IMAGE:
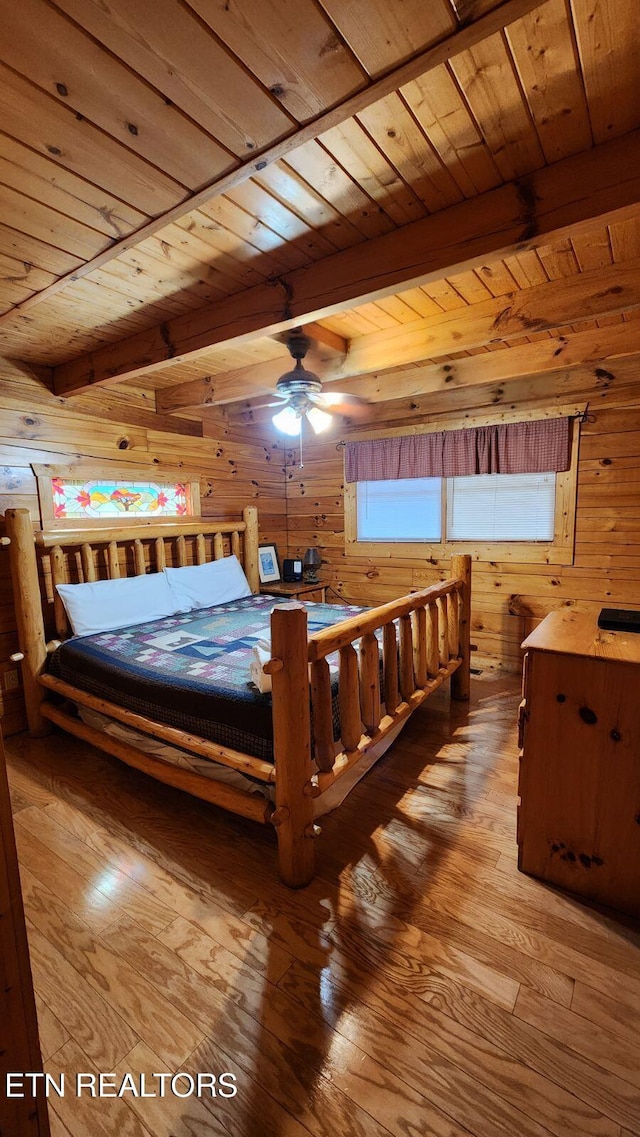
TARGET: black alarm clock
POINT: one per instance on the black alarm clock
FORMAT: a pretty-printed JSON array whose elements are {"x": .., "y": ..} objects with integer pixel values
[{"x": 291, "y": 571}]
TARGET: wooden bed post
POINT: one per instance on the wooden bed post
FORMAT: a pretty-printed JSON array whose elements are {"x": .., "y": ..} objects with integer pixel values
[
  {"x": 29, "y": 619},
  {"x": 293, "y": 817},
  {"x": 461, "y": 679},
  {"x": 251, "y": 543}
]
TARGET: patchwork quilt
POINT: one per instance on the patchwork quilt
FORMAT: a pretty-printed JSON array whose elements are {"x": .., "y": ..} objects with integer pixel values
[{"x": 192, "y": 670}]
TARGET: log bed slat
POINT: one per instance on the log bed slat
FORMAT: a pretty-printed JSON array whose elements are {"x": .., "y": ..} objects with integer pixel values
[
  {"x": 322, "y": 717},
  {"x": 433, "y": 641},
  {"x": 113, "y": 560},
  {"x": 370, "y": 682},
  {"x": 407, "y": 680},
  {"x": 161, "y": 555},
  {"x": 349, "y": 698},
  {"x": 390, "y": 667},
  {"x": 59, "y": 576},
  {"x": 138, "y": 557},
  {"x": 88, "y": 563}
]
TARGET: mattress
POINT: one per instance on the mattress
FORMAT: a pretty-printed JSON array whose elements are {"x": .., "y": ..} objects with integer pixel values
[{"x": 191, "y": 670}]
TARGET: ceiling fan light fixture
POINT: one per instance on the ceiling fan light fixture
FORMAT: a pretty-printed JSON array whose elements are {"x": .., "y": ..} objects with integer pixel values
[
  {"x": 319, "y": 420},
  {"x": 288, "y": 421}
]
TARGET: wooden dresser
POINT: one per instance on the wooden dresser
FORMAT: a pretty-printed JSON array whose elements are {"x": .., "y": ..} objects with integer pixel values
[{"x": 579, "y": 783}]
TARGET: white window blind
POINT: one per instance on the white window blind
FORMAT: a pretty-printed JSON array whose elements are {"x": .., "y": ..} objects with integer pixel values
[
  {"x": 501, "y": 507},
  {"x": 408, "y": 509}
]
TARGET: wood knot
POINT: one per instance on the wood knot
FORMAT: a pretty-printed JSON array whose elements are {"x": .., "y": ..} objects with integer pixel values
[{"x": 588, "y": 716}]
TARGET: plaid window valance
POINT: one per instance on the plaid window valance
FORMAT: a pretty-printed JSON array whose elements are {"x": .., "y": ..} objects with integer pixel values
[{"x": 507, "y": 448}]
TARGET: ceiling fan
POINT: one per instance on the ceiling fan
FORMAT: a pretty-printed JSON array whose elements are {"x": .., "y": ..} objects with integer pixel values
[{"x": 301, "y": 392}]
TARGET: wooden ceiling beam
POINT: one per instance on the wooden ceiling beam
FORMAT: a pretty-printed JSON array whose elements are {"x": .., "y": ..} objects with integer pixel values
[
  {"x": 586, "y": 352},
  {"x": 558, "y": 303},
  {"x": 325, "y": 357},
  {"x": 598, "y": 186},
  {"x": 474, "y": 28}
]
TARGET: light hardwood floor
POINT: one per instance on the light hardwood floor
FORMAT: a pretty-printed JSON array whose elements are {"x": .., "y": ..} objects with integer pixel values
[{"x": 420, "y": 985}]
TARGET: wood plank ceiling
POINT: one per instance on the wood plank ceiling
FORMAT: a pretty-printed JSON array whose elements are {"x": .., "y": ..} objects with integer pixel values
[{"x": 115, "y": 114}]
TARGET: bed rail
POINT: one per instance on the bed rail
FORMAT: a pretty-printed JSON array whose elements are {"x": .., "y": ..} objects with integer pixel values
[{"x": 425, "y": 641}]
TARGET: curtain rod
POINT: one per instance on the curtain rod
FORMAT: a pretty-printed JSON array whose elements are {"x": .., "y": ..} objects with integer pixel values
[{"x": 582, "y": 416}]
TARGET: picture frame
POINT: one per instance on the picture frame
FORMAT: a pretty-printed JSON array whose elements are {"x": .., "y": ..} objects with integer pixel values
[{"x": 268, "y": 564}]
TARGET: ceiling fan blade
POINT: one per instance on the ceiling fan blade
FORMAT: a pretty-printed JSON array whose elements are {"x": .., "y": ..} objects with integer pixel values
[
  {"x": 269, "y": 401},
  {"x": 329, "y": 400}
]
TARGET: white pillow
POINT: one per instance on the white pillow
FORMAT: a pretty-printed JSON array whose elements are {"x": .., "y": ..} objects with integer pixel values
[
  {"x": 201, "y": 586},
  {"x": 102, "y": 605}
]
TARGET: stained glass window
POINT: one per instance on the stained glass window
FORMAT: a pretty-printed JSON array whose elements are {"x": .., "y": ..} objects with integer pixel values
[{"x": 96, "y": 498}]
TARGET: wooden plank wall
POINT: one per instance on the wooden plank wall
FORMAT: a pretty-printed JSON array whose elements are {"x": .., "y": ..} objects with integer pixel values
[
  {"x": 119, "y": 428},
  {"x": 508, "y": 599}
]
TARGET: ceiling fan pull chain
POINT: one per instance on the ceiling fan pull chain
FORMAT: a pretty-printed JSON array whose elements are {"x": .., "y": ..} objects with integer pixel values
[{"x": 301, "y": 462}]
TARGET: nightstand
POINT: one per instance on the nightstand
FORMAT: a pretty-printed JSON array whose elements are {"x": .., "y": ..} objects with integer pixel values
[{"x": 297, "y": 590}]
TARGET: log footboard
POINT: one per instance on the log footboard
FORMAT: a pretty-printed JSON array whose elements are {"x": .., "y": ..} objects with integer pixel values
[{"x": 432, "y": 644}]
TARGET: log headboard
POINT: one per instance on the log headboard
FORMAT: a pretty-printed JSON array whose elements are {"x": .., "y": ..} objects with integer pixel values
[{"x": 39, "y": 562}]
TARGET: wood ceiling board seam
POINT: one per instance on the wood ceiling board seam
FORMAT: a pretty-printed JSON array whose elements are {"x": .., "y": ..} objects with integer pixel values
[
  {"x": 610, "y": 60},
  {"x": 593, "y": 251},
  {"x": 526, "y": 268},
  {"x": 497, "y": 278},
  {"x": 181, "y": 300},
  {"x": 258, "y": 201},
  {"x": 255, "y": 233},
  {"x": 77, "y": 71},
  {"x": 26, "y": 170},
  {"x": 13, "y": 270},
  {"x": 559, "y": 259},
  {"x": 541, "y": 45},
  {"x": 179, "y": 56},
  {"x": 46, "y": 224},
  {"x": 358, "y": 153},
  {"x": 174, "y": 259},
  {"x": 397, "y": 132},
  {"x": 438, "y": 104},
  {"x": 336, "y": 185},
  {"x": 625, "y": 240},
  {"x": 292, "y": 190},
  {"x": 239, "y": 265},
  {"x": 488, "y": 80},
  {"x": 83, "y": 148},
  {"x": 370, "y": 28},
  {"x": 475, "y": 227},
  {"x": 423, "y": 62},
  {"x": 299, "y": 62},
  {"x": 40, "y": 253}
]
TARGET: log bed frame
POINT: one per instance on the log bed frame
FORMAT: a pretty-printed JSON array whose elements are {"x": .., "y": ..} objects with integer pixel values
[{"x": 433, "y": 646}]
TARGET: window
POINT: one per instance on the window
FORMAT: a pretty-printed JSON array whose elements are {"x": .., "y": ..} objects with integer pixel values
[
  {"x": 408, "y": 509},
  {"x": 71, "y": 498},
  {"x": 517, "y": 518},
  {"x": 501, "y": 507},
  {"x": 485, "y": 507}
]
